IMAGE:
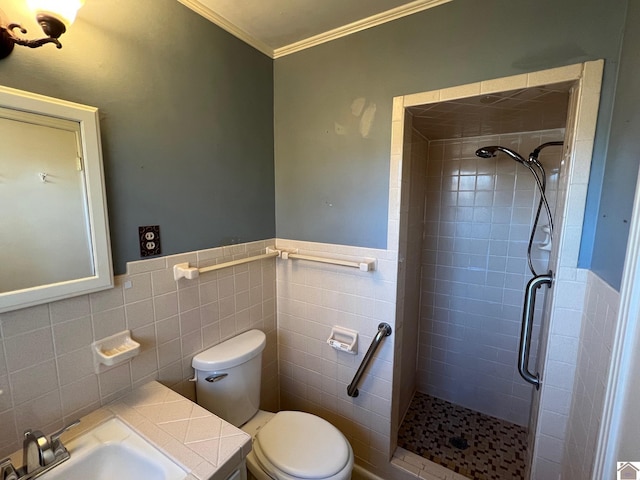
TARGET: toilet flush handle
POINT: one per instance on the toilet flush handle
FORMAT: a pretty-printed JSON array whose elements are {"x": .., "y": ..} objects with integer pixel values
[{"x": 216, "y": 377}]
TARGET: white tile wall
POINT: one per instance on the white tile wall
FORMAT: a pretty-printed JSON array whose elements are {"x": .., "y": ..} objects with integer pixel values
[
  {"x": 478, "y": 219},
  {"x": 313, "y": 297},
  {"x": 594, "y": 358},
  {"x": 46, "y": 367},
  {"x": 409, "y": 269}
]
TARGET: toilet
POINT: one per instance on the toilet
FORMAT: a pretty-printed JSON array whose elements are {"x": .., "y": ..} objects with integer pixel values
[{"x": 287, "y": 445}]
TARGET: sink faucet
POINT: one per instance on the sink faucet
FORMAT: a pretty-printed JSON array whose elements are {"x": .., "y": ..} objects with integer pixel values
[
  {"x": 36, "y": 451},
  {"x": 40, "y": 454}
]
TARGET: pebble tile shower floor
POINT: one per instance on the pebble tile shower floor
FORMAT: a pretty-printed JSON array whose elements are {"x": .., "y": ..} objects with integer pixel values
[{"x": 470, "y": 443}]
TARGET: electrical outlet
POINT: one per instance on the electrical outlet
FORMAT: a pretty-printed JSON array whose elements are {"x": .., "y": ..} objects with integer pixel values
[{"x": 149, "y": 237}]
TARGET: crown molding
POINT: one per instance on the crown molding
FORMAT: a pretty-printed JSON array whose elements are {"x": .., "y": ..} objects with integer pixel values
[
  {"x": 225, "y": 24},
  {"x": 365, "y": 23},
  {"x": 369, "y": 22}
]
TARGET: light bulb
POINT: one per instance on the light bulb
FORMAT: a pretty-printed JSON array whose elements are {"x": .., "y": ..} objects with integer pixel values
[{"x": 64, "y": 10}]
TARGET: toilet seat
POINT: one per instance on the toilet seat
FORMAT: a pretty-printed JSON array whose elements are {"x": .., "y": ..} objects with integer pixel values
[{"x": 298, "y": 445}]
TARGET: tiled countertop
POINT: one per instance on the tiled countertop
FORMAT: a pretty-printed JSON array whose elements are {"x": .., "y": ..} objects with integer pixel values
[{"x": 207, "y": 447}]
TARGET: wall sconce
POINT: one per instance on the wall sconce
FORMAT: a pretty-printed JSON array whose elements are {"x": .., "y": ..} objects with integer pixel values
[{"x": 54, "y": 16}]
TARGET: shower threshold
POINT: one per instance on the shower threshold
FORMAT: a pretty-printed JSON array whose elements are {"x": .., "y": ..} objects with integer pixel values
[{"x": 469, "y": 443}]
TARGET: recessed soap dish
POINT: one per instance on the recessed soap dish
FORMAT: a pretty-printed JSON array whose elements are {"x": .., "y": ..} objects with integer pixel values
[{"x": 115, "y": 349}]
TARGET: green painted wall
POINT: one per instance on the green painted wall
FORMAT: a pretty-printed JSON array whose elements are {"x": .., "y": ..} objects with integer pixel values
[
  {"x": 333, "y": 187},
  {"x": 623, "y": 157},
  {"x": 186, "y": 116}
]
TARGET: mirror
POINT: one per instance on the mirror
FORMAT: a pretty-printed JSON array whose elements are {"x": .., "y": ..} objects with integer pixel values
[{"x": 54, "y": 238}]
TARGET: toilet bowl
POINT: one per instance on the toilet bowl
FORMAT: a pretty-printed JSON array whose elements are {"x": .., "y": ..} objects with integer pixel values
[
  {"x": 287, "y": 445},
  {"x": 293, "y": 445}
]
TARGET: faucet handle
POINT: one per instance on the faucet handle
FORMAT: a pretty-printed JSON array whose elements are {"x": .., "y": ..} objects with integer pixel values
[
  {"x": 56, "y": 444},
  {"x": 7, "y": 471},
  {"x": 56, "y": 436}
]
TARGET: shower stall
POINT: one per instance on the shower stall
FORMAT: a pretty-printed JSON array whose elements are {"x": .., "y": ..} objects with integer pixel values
[{"x": 479, "y": 190}]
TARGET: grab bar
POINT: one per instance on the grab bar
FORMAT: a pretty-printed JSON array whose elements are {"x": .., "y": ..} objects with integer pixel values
[
  {"x": 366, "y": 265},
  {"x": 384, "y": 330},
  {"x": 183, "y": 270},
  {"x": 527, "y": 323}
]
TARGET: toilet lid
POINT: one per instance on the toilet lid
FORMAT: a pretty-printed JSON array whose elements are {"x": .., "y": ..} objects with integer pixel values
[{"x": 303, "y": 445}]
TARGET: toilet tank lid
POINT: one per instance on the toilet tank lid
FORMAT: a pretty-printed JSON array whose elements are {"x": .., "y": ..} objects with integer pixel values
[{"x": 232, "y": 352}]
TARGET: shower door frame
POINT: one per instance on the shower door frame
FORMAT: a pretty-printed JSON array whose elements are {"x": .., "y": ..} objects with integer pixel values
[{"x": 567, "y": 293}]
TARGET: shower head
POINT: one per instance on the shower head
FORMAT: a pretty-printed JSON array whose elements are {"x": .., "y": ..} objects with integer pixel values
[
  {"x": 486, "y": 152},
  {"x": 491, "y": 151}
]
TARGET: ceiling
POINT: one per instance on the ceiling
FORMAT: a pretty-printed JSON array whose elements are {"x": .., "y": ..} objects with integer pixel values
[
  {"x": 281, "y": 27},
  {"x": 523, "y": 110}
]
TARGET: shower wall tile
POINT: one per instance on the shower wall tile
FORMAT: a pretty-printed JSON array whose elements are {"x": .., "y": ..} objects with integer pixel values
[
  {"x": 475, "y": 250},
  {"x": 502, "y": 84},
  {"x": 461, "y": 91},
  {"x": 554, "y": 75},
  {"x": 409, "y": 271},
  {"x": 45, "y": 353}
]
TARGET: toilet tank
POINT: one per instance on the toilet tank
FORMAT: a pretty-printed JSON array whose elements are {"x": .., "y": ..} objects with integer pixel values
[{"x": 228, "y": 377}]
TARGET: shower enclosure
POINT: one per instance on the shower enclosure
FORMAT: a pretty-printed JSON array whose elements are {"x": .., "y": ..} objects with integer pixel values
[
  {"x": 473, "y": 230},
  {"x": 474, "y": 272}
]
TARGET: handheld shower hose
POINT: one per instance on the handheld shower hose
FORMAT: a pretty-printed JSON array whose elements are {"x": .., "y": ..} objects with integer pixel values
[{"x": 539, "y": 175}]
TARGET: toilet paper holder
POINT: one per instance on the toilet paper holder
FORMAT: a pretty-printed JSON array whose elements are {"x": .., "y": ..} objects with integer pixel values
[{"x": 344, "y": 339}]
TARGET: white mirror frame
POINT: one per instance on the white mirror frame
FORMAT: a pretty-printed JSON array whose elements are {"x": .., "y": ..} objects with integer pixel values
[{"x": 87, "y": 117}]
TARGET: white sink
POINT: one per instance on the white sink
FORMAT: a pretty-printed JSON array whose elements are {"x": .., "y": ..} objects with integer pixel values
[{"x": 113, "y": 451}]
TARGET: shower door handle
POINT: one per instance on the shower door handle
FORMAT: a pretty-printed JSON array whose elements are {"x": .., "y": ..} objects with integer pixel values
[{"x": 527, "y": 324}]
